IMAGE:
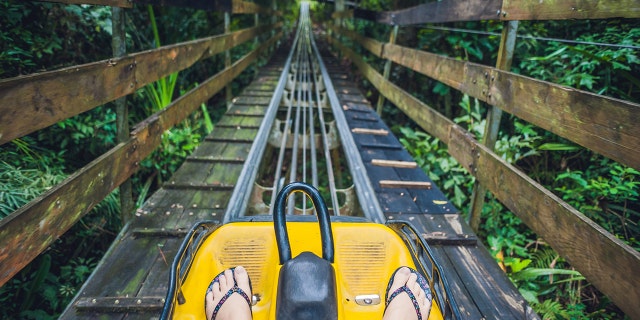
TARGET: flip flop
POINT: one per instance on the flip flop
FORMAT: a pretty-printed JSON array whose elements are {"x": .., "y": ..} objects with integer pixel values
[
  {"x": 422, "y": 282},
  {"x": 234, "y": 289}
]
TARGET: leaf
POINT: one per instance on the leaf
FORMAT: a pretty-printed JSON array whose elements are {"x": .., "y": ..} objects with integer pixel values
[{"x": 558, "y": 146}]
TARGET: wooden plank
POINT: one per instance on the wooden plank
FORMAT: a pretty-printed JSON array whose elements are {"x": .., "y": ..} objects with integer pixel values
[
  {"x": 239, "y": 6},
  {"x": 376, "y": 132},
  {"x": 569, "y": 9},
  {"x": 233, "y": 6},
  {"x": 374, "y": 46},
  {"x": 428, "y": 119},
  {"x": 32, "y": 228},
  {"x": 477, "y": 10},
  {"x": 208, "y": 5},
  {"x": 480, "y": 289},
  {"x": 174, "y": 113},
  {"x": 601, "y": 257},
  {"x": 111, "y": 3},
  {"x": 120, "y": 304},
  {"x": 442, "y": 11},
  {"x": 394, "y": 163},
  {"x": 405, "y": 184},
  {"x": 33, "y": 102},
  {"x": 597, "y": 254},
  {"x": 604, "y": 125}
]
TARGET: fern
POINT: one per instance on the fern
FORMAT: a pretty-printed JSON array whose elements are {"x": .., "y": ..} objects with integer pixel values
[{"x": 550, "y": 309}]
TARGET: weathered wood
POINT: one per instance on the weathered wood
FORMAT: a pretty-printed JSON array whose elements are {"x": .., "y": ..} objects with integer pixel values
[
  {"x": 479, "y": 287},
  {"x": 250, "y": 7},
  {"x": 476, "y": 10},
  {"x": 173, "y": 114},
  {"x": 601, "y": 257},
  {"x": 569, "y": 9},
  {"x": 120, "y": 304},
  {"x": 376, "y": 132},
  {"x": 605, "y": 125},
  {"x": 443, "y": 11},
  {"x": 374, "y": 46},
  {"x": 602, "y": 124},
  {"x": 405, "y": 184},
  {"x": 112, "y": 3},
  {"x": 598, "y": 255},
  {"x": 394, "y": 163},
  {"x": 208, "y": 5},
  {"x": 36, "y": 101},
  {"x": 425, "y": 116},
  {"x": 31, "y": 229}
]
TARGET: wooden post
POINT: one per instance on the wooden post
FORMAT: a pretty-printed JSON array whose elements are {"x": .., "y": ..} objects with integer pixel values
[
  {"x": 505, "y": 57},
  {"x": 227, "y": 58},
  {"x": 256, "y": 44},
  {"x": 119, "y": 47},
  {"x": 338, "y": 22},
  {"x": 387, "y": 68},
  {"x": 339, "y": 8},
  {"x": 274, "y": 7}
]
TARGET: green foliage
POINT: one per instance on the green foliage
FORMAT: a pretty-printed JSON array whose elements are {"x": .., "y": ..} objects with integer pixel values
[
  {"x": 607, "y": 193},
  {"x": 604, "y": 70},
  {"x": 45, "y": 287},
  {"x": 28, "y": 45},
  {"x": 431, "y": 155}
]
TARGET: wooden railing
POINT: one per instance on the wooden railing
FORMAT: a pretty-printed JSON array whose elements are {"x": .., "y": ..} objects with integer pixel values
[
  {"x": 33, "y": 102},
  {"x": 605, "y": 125}
]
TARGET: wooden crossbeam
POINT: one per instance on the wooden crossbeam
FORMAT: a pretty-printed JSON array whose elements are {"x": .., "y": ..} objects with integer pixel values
[
  {"x": 394, "y": 163},
  {"x": 377, "y": 132},
  {"x": 119, "y": 304},
  {"x": 405, "y": 184}
]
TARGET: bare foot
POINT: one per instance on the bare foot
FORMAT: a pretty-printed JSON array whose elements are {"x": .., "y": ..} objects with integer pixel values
[
  {"x": 235, "y": 307},
  {"x": 401, "y": 307}
]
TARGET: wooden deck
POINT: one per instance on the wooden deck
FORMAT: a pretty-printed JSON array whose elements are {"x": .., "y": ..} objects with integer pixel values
[{"x": 132, "y": 279}]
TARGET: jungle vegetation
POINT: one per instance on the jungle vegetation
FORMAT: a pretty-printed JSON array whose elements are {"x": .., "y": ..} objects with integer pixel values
[{"x": 37, "y": 36}]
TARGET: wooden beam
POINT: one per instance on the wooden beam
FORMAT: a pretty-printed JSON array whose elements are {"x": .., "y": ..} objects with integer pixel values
[
  {"x": 28, "y": 231},
  {"x": 208, "y": 5},
  {"x": 477, "y": 10},
  {"x": 602, "y": 258},
  {"x": 251, "y": 8},
  {"x": 425, "y": 116},
  {"x": 394, "y": 163},
  {"x": 405, "y": 184},
  {"x": 33, "y": 102},
  {"x": 375, "y": 132},
  {"x": 372, "y": 45},
  {"x": 602, "y": 124},
  {"x": 119, "y": 304},
  {"x": 569, "y": 9},
  {"x": 442, "y": 11},
  {"x": 111, "y": 3}
]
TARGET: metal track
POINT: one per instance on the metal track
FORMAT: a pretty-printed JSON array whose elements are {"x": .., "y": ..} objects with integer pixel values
[{"x": 303, "y": 90}]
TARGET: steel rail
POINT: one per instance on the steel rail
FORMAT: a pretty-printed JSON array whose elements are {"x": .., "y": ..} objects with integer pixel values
[
  {"x": 364, "y": 190},
  {"x": 241, "y": 194},
  {"x": 303, "y": 72}
]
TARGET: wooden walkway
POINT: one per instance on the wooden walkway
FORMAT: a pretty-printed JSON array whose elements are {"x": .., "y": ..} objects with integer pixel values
[{"x": 132, "y": 279}]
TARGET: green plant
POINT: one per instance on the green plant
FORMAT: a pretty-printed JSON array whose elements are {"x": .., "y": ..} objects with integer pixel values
[{"x": 431, "y": 155}]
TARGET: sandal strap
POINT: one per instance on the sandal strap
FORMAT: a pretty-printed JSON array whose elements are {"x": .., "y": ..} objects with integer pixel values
[
  {"x": 411, "y": 296},
  {"x": 231, "y": 291}
]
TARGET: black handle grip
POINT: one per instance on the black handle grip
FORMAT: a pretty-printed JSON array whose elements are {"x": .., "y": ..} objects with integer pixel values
[{"x": 279, "y": 220}]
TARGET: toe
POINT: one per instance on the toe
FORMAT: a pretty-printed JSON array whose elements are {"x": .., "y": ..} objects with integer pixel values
[
  {"x": 400, "y": 278},
  {"x": 242, "y": 279}
]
